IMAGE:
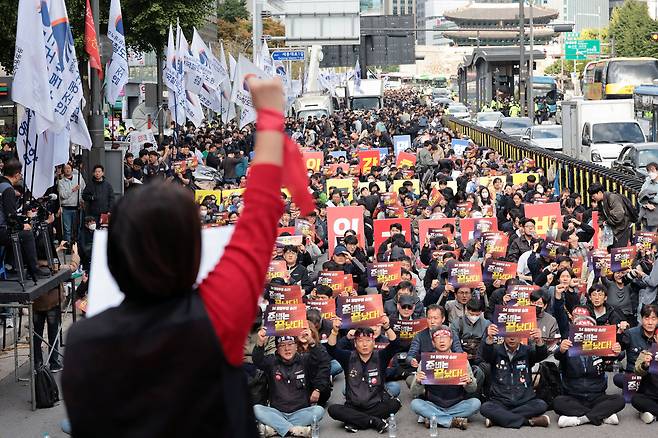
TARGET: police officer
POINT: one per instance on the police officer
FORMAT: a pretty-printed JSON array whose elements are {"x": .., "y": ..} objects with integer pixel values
[
  {"x": 512, "y": 400},
  {"x": 292, "y": 393},
  {"x": 367, "y": 403}
]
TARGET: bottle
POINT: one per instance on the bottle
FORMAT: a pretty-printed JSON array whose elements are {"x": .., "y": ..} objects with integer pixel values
[
  {"x": 392, "y": 427},
  {"x": 315, "y": 428},
  {"x": 434, "y": 427}
]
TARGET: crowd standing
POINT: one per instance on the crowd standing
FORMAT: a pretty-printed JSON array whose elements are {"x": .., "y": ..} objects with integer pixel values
[{"x": 560, "y": 263}]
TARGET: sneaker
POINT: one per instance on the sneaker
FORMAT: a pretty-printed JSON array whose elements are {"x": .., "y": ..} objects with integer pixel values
[
  {"x": 351, "y": 429},
  {"x": 56, "y": 368},
  {"x": 612, "y": 420},
  {"x": 459, "y": 423},
  {"x": 383, "y": 428},
  {"x": 266, "y": 431},
  {"x": 541, "y": 421},
  {"x": 300, "y": 431},
  {"x": 647, "y": 417},
  {"x": 488, "y": 422},
  {"x": 565, "y": 421}
]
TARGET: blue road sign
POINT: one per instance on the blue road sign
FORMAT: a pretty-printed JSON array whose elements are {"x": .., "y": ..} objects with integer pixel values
[{"x": 288, "y": 55}]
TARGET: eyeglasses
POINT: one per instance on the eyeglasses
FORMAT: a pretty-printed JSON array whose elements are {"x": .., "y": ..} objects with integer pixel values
[{"x": 407, "y": 307}]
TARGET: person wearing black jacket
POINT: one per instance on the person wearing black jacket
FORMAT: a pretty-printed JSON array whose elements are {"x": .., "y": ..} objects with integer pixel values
[
  {"x": 523, "y": 243},
  {"x": 298, "y": 272},
  {"x": 584, "y": 383},
  {"x": 98, "y": 194},
  {"x": 638, "y": 339},
  {"x": 646, "y": 398},
  {"x": 367, "y": 403},
  {"x": 512, "y": 400},
  {"x": 358, "y": 259},
  {"x": 294, "y": 388}
]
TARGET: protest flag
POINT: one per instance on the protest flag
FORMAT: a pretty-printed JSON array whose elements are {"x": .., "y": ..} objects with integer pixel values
[
  {"x": 117, "y": 69},
  {"x": 91, "y": 42}
]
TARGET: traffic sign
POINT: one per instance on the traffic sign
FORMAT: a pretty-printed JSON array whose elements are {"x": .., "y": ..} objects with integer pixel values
[
  {"x": 576, "y": 50},
  {"x": 288, "y": 55}
]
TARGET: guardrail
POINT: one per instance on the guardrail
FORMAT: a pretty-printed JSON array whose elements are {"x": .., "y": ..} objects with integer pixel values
[{"x": 574, "y": 174}]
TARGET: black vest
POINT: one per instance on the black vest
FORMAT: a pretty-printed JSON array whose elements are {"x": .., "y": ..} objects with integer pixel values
[
  {"x": 288, "y": 392},
  {"x": 364, "y": 383},
  {"x": 153, "y": 370}
]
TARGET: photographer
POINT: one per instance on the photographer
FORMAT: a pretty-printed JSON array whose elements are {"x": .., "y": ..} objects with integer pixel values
[{"x": 8, "y": 202}]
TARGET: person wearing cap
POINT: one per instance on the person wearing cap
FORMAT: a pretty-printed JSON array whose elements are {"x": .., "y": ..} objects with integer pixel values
[
  {"x": 584, "y": 384},
  {"x": 449, "y": 404},
  {"x": 339, "y": 261},
  {"x": 293, "y": 393},
  {"x": 404, "y": 291},
  {"x": 512, "y": 400},
  {"x": 367, "y": 403}
]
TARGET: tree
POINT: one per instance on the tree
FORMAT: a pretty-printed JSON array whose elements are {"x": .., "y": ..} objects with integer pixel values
[
  {"x": 233, "y": 10},
  {"x": 630, "y": 27},
  {"x": 236, "y": 36}
]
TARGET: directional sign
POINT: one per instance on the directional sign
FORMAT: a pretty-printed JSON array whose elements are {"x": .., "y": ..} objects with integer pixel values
[
  {"x": 576, "y": 50},
  {"x": 288, "y": 55}
]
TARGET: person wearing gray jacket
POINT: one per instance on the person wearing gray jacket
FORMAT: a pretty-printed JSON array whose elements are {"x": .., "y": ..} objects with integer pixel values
[
  {"x": 70, "y": 188},
  {"x": 648, "y": 198}
]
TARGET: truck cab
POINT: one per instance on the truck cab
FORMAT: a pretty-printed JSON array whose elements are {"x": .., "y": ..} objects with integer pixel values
[
  {"x": 369, "y": 96},
  {"x": 313, "y": 106}
]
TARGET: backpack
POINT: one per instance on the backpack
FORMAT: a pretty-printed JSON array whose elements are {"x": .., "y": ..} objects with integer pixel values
[
  {"x": 548, "y": 383},
  {"x": 631, "y": 210},
  {"x": 45, "y": 388}
]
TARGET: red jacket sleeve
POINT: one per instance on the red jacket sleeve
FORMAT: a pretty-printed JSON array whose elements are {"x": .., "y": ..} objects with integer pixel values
[{"x": 230, "y": 292}]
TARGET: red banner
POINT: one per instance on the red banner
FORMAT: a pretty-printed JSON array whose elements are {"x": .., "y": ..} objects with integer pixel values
[
  {"x": 384, "y": 273},
  {"x": 341, "y": 219},
  {"x": 515, "y": 321},
  {"x": 498, "y": 270},
  {"x": 424, "y": 225},
  {"x": 332, "y": 169},
  {"x": 405, "y": 159},
  {"x": 382, "y": 229},
  {"x": 334, "y": 279},
  {"x": 595, "y": 340},
  {"x": 327, "y": 307},
  {"x": 472, "y": 228},
  {"x": 544, "y": 215},
  {"x": 284, "y": 294},
  {"x": 622, "y": 259},
  {"x": 313, "y": 160},
  {"x": 285, "y": 320},
  {"x": 363, "y": 311},
  {"x": 278, "y": 269},
  {"x": 465, "y": 274},
  {"x": 435, "y": 197},
  {"x": 443, "y": 368},
  {"x": 406, "y": 330},
  {"x": 368, "y": 159}
]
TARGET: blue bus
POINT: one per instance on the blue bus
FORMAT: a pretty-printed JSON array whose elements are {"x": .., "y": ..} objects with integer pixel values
[{"x": 546, "y": 87}]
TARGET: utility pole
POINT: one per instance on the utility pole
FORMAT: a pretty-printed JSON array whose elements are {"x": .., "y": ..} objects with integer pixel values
[
  {"x": 159, "y": 86},
  {"x": 257, "y": 27},
  {"x": 531, "y": 70},
  {"x": 96, "y": 120},
  {"x": 522, "y": 57}
]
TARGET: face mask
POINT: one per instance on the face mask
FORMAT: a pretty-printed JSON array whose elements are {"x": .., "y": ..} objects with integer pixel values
[
  {"x": 540, "y": 310},
  {"x": 92, "y": 227},
  {"x": 473, "y": 318}
]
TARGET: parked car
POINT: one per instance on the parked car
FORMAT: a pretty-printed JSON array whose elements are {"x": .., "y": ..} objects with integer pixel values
[
  {"x": 633, "y": 158},
  {"x": 459, "y": 111},
  {"x": 488, "y": 119},
  {"x": 545, "y": 136},
  {"x": 515, "y": 127}
]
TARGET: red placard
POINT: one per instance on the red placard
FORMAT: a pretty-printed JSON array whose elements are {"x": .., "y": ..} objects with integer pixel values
[
  {"x": 520, "y": 294},
  {"x": 406, "y": 330},
  {"x": 495, "y": 243},
  {"x": 435, "y": 197},
  {"x": 313, "y": 160},
  {"x": 278, "y": 269},
  {"x": 363, "y": 311},
  {"x": 425, "y": 224},
  {"x": 382, "y": 229},
  {"x": 443, "y": 368},
  {"x": 498, "y": 270},
  {"x": 622, "y": 259},
  {"x": 332, "y": 169},
  {"x": 405, "y": 159},
  {"x": 341, "y": 219},
  {"x": 463, "y": 209},
  {"x": 384, "y": 273},
  {"x": 285, "y": 320},
  {"x": 544, "y": 214},
  {"x": 472, "y": 228},
  {"x": 334, "y": 279},
  {"x": 515, "y": 321},
  {"x": 327, "y": 307},
  {"x": 289, "y": 230},
  {"x": 465, "y": 274},
  {"x": 285, "y": 294},
  {"x": 368, "y": 159},
  {"x": 596, "y": 340}
]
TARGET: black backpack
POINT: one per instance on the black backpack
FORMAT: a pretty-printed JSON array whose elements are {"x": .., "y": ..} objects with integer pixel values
[
  {"x": 45, "y": 388},
  {"x": 548, "y": 383}
]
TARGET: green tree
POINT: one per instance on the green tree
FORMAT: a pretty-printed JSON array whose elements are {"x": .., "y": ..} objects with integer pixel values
[
  {"x": 233, "y": 10},
  {"x": 630, "y": 26}
]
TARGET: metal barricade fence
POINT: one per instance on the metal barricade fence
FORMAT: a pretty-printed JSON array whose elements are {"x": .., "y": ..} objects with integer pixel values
[{"x": 576, "y": 175}]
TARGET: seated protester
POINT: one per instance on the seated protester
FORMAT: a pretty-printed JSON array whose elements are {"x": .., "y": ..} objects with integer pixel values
[
  {"x": 543, "y": 269},
  {"x": 619, "y": 295},
  {"x": 339, "y": 261},
  {"x": 405, "y": 261},
  {"x": 322, "y": 326},
  {"x": 437, "y": 288},
  {"x": 449, "y": 404},
  {"x": 470, "y": 329},
  {"x": 584, "y": 383},
  {"x": 320, "y": 362},
  {"x": 645, "y": 400},
  {"x": 637, "y": 339},
  {"x": 547, "y": 324},
  {"x": 524, "y": 242},
  {"x": 405, "y": 311},
  {"x": 512, "y": 400},
  {"x": 498, "y": 296},
  {"x": 388, "y": 244},
  {"x": 298, "y": 273},
  {"x": 457, "y": 308},
  {"x": 367, "y": 403},
  {"x": 391, "y": 306},
  {"x": 567, "y": 290},
  {"x": 602, "y": 312},
  {"x": 422, "y": 342},
  {"x": 292, "y": 394},
  {"x": 359, "y": 260}
]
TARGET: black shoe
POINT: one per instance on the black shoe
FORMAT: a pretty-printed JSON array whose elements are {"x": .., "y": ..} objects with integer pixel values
[
  {"x": 383, "y": 427},
  {"x": 43, "y": 273},
  {"x": 56, "y": 368},
  {"x": 351, "y": 429}
]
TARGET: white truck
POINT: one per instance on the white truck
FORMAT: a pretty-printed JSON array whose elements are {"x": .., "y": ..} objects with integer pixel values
[
  {"x": 597, "y": 130},
  {"x": 368, "y": 96},
  {"x": 317, "y": 105}
]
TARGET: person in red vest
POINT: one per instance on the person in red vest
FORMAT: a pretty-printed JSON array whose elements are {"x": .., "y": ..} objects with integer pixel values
[{"x": 167, "y": 361}]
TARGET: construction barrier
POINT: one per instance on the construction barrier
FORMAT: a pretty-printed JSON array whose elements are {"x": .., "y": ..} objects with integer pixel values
[{"x": 574, "y": 174}]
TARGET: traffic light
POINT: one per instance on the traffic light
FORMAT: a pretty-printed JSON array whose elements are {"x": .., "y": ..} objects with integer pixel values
[{"x": 653, "y": 36}]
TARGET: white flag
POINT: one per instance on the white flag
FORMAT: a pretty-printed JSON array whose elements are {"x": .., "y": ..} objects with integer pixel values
[
  {"x": 357, "y": 76},
  {"x": 79, "y": 132},
  {"x": 245, "y": 70},
  {"x": 266, "y": 63},
  {"x": 203, "y": 56},
  {"x": 227, "y": 108},
  {"x": 117, "y": 69},
  {"x": 193, "y": 80},
  {"x": 233, "y": 65},
  {"x": 36, "y": 152},
  {"x": 30, "y": 87},
  {"x": 173, "y": 79}
]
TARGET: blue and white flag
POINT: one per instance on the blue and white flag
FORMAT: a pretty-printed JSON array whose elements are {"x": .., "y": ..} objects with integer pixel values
[
  {"x": 173, "y": 79},
  {"x": 357, "y": 76},
  {"x": 117, "y": 69},
  {"x": 193, "y": 80},
  {"x": 227, "y": 108},
  {"x": 203, "y": 57}
]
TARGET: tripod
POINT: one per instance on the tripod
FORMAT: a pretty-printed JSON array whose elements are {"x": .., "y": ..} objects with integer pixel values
[{"x": 18, "y": 261}]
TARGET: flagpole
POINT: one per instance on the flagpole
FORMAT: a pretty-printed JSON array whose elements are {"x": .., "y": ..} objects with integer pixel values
[{"x": 34, "y": 169}]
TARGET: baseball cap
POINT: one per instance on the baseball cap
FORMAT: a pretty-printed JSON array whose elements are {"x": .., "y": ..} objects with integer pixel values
[
  {"x": 340, "y": 249},
  {"x": 406, "y": 300}
]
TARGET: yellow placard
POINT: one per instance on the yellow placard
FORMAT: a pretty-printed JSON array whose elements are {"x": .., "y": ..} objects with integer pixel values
[
  {"x": 522, "y": 178},
  {"x": 398, "y": 183},
  {"x": 199, "y": 195},
  {"x": 380, "y": 184},
  {"x": 340, "y": 184},
  {"x": 451, "y": 184}
]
